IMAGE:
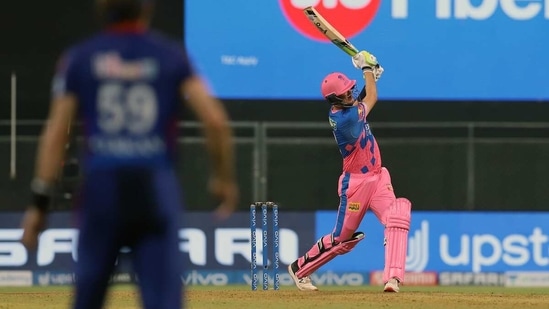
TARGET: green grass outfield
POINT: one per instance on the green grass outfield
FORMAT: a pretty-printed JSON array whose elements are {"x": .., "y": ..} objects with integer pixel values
[{"x": 241, "y": 297}]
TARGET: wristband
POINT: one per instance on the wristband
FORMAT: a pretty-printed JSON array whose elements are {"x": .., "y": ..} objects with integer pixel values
[{"x": 41, "y": 192}]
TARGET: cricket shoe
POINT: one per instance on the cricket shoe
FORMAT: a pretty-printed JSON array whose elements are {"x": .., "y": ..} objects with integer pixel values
[
  {"x": 392, "y": 286},
  {"x": 304, "y": 284}
]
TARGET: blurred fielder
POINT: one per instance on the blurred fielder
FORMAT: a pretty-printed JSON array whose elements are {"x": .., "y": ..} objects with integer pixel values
[
  {"x": 363, "y": 184},
  {"x": 126, "y": 85}
]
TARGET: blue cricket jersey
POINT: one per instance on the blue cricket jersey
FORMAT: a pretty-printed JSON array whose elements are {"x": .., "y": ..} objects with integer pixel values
[{"x": 127, "y": 83}]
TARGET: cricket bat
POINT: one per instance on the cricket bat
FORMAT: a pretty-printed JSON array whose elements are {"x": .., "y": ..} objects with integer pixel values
[
  {"x": 333, "y": 35},
  {"x": 329, "y": 31}
]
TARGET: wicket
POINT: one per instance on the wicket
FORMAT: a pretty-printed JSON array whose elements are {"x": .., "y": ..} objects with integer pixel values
[{"x": 265, "y": 248}]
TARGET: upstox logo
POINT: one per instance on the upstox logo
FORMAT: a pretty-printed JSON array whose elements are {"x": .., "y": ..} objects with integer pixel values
[
  {"x": 418, "y": 249},
  {"x": 349, "y": 17},
  {"x": 477, "y": 252}
]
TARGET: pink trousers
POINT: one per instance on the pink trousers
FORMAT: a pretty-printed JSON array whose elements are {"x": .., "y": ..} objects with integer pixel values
[{"x": 357, "y": 193}]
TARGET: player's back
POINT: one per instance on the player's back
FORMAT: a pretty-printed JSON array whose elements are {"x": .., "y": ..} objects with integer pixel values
[{"x": 127, "y": 85}]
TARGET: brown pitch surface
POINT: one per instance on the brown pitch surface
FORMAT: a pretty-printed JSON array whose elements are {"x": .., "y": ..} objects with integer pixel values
[{"x": 241, "y": 297}]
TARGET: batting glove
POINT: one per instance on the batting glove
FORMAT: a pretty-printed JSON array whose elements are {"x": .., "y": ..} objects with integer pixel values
[
  {"x": 378, "y": 70},
  {"x": 364, "y": 61}
]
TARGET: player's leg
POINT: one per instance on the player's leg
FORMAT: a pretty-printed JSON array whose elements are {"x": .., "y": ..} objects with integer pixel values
[
  {"x": 157, "y": 260},
  {"x": 354, "y": 192},
  {"x": 321, "y": 253},
  {"x": 97, "y": 242},
  {"x": 395, "y": 214},
  {"x": 159, "y": 270},
  {"x": 396, "y": 243}
]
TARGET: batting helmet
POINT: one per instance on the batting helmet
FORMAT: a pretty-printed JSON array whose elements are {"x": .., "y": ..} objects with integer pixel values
[{"x": 336, "y": 84}]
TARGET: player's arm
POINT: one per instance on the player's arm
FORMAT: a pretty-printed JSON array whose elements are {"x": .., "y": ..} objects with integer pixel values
[
  {"x": 216, "y": 127},
  {"x": 51, "y": 148},
  {"x": 50, "y": 153},
  {"x": 219, "y": 141},
  {"x": 371, "y": 71},
  {"x": 371, "y": 90}
]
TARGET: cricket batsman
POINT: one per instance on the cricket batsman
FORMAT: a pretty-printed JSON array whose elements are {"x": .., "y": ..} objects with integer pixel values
[{"x": 364, "y": 184}]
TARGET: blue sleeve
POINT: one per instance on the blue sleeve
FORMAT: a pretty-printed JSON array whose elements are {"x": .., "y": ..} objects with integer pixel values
[
  {"x": 65, "y": 79},
  {"x": 347, "y": 123}
]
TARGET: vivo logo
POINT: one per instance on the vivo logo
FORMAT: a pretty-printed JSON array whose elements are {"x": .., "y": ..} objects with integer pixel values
[
  {"x": 319, "y": 278},
  {"x": 330, "y": 278},
  {"x": 276, "y": 245},
  {"x": 204, "y": 278}
]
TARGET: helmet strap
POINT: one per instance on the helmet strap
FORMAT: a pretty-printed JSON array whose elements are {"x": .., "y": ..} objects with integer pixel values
[{"x": 336, "y": 101}]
